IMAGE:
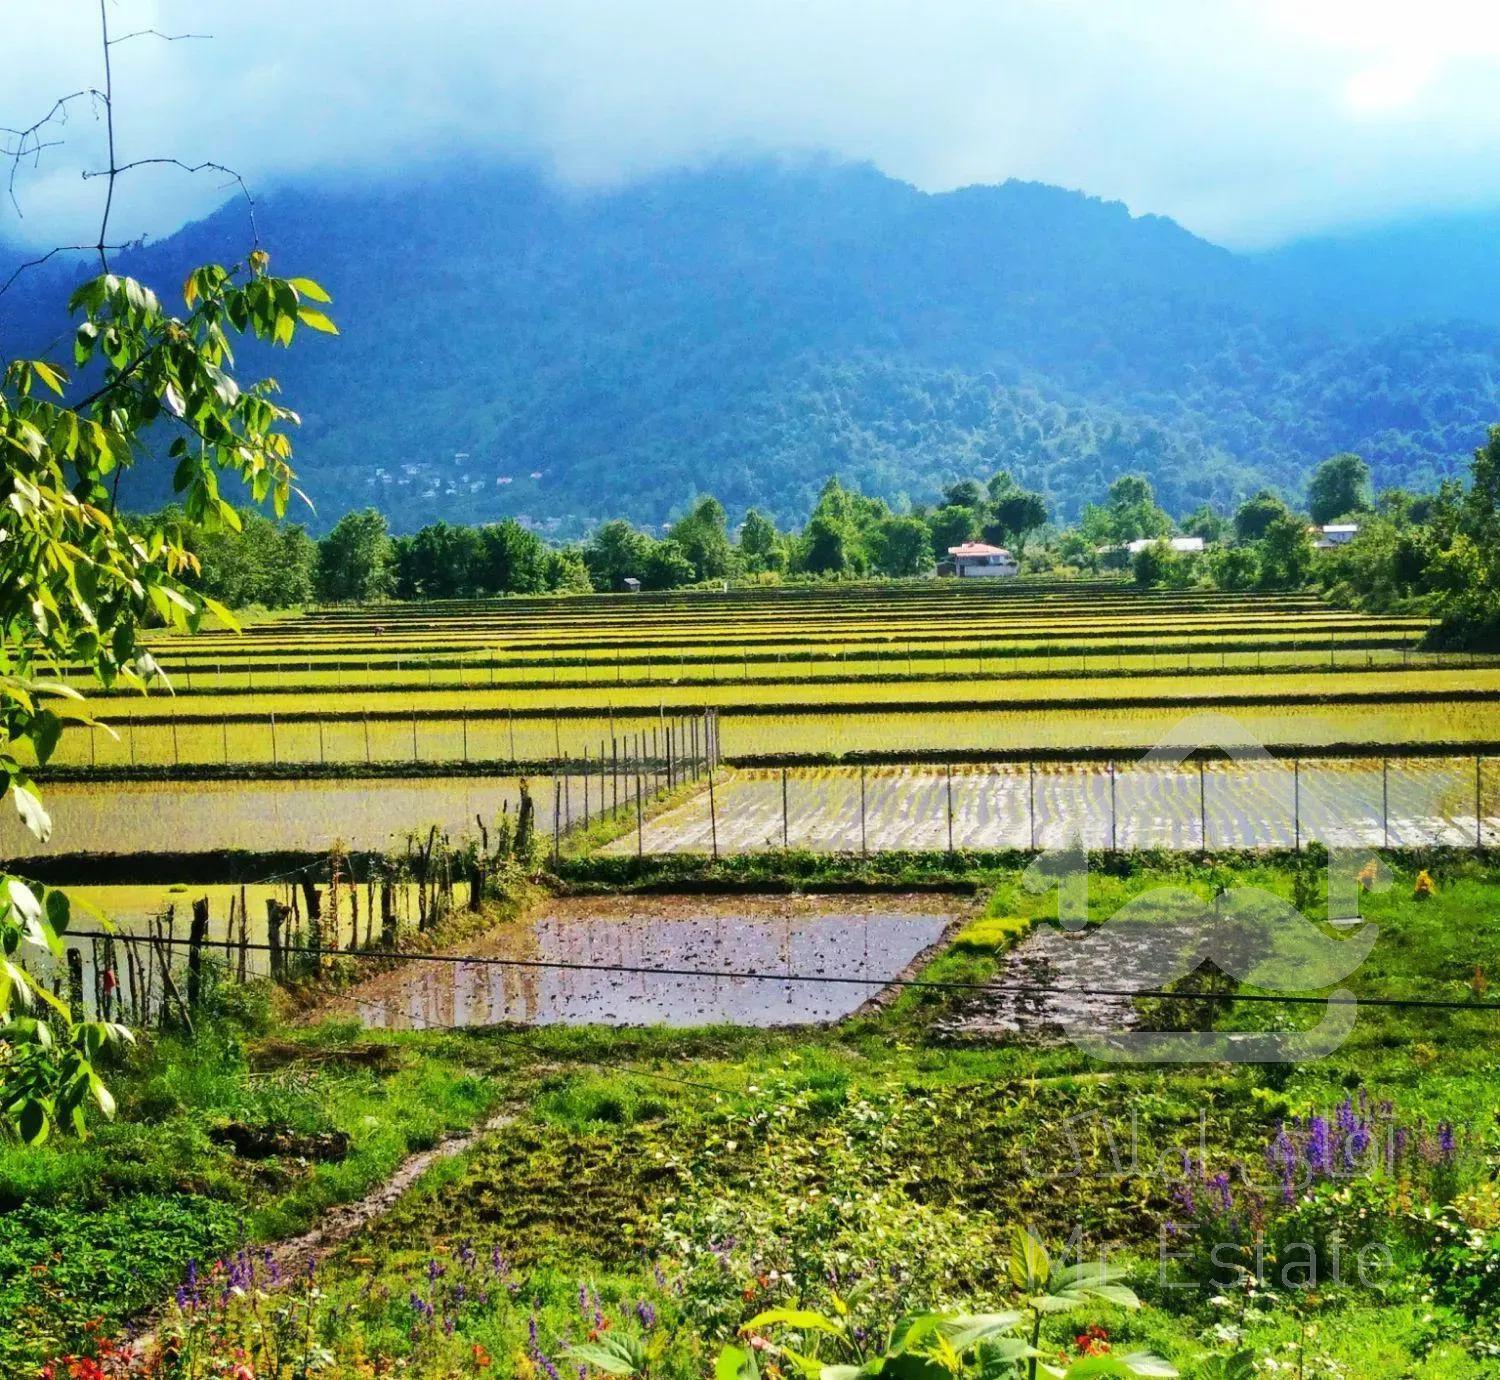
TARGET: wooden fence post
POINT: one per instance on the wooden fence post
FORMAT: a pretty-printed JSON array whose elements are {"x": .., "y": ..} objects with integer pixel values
[
  {"x": 275, "y": 915},
  {"x": 197, "y": 933},
  {"x": 75, "y": 984},
  {"x": 387, "y": 911},
  {"x": 244, "y": 954}
]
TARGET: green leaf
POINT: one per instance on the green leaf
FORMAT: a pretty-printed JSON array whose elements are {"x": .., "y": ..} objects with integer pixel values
[
  {"x": 46, "y": 729},
  {"x": 965, "y": 1330},
  {"x": 1110, "y": 1293},
  {"x": 32, "y": 1121},
  {"x": 911, "y": 1365},
  {"x": 799, "y": 1319},
  {"x": 736, "y": 1363},
  {"x": 612, "y": 1355},
  {"x": 48, "y": 375},
  {"x": 307, "y": 288},
  {"x": 309, "y": 316},
  {"x": 1030, "y": 1265},
  {"x": 101, "y": 1095},
  {"x": 59, "y": 910}
]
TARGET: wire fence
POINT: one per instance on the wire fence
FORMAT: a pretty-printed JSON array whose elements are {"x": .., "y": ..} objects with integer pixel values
[{"x": 1377, "y": 802}]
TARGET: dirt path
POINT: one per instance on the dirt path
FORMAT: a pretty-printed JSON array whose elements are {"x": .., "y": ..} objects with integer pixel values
[{"x": 343, "y": 1221}]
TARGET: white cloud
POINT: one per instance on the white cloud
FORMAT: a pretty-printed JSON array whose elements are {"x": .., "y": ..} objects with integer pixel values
[{"x": 1248, "y": 120}]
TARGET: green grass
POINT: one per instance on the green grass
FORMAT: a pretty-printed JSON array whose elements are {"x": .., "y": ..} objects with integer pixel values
[{"x": 869, "y": 1148}]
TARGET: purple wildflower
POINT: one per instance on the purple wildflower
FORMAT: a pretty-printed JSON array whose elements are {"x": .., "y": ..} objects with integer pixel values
[
  {"x": 647, "y": 1314},
  {"x": 1319, "y": 1148}
]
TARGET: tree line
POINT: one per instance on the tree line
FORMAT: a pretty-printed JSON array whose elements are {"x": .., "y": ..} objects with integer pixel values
[{"x": 1419, "y": 552}]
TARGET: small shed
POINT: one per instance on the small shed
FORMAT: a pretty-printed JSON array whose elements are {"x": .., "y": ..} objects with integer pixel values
[
  {"x": 1333, "y": 534},
  {"x": 978, "y": 560},
  {"x": 632, "y": 585}
]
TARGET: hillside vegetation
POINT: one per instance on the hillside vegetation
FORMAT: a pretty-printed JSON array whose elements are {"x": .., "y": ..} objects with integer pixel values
[{"x": 512, "y": 349}]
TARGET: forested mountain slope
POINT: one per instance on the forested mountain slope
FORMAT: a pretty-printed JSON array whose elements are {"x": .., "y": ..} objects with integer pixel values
[{"x": 512, "y": 348}]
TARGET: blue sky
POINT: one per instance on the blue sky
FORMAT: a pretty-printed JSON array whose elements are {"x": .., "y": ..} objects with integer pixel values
[{"x": 1249, "y": 121}]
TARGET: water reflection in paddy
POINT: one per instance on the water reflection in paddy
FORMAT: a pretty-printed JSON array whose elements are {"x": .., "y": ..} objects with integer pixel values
[{"x": 808, "y": 936}]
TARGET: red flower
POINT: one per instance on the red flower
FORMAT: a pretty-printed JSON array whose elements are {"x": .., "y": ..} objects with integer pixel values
[{"x": 1092, "y": 1342}]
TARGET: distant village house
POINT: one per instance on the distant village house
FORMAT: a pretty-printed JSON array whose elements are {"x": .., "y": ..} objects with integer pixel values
[{"x": 976, "y": 560}]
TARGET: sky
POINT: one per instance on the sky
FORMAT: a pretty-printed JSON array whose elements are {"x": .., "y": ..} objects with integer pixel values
[{"x": 1251, "y": 122}]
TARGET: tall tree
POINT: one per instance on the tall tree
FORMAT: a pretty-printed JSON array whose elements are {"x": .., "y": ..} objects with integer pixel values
[
  {"x": 1256, "y": 514},
  {"x": 952, "y": 526},
  {"x": 1014, "y": 516},
  {"x": 703, "y": 538},
  {"x": 761, "y": 545},
  {"x": 616, "y": 552},
  {"x": 902, "y": 547},
  {"x": 356, "y": 559},
  {"x": 1339, "y": 487},
  {"x": 513, "y": 559},
  {"x": 1286, "y": 553}
]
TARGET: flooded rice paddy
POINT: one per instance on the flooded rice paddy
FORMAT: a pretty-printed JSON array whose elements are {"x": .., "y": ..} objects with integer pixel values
[
  {"x": 1357, "y": 803},
  {"x": 785, "y": 939}
]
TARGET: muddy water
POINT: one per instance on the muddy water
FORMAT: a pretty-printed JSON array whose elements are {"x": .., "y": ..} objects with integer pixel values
[{"x": 847, "y": 937}]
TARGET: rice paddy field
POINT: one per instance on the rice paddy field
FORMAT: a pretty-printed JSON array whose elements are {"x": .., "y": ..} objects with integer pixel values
[
  {"x": 362, "y": 724},
  {"x": 1221, "y": 805}
]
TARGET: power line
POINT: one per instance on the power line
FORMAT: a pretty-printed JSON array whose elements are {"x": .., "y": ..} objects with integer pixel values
[{"x": 829, "y": 979}]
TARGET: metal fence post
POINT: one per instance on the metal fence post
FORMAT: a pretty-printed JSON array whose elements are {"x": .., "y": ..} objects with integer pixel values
[
  {"x": 1202, "y": 805},
  {"x": 1297, "y": 804},
  {"x": 784, "y": 842},
  {"x": 1031, "y": 799},
  {"x": 863, "y": 849},
  {"x": 950, "y": 807},
  {"x": 713, "y": 817},
  {"x": 1478, "y": 803},
  {"x": 1114, "y": 838},
  {"x": 1385, "y": 802}
]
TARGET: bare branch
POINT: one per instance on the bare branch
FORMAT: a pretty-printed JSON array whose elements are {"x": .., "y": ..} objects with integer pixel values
[
  {"x": 51, "y": 253},
  {"x": 29, "y": 142},
  {"x": 154, "y": 33},
  {"x": 234, "y": 179}
]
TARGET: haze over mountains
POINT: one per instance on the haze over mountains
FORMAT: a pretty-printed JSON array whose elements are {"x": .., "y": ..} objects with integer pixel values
[{"x": 510, "y": 347}]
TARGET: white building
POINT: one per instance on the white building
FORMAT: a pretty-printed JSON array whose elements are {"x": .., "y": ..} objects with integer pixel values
[
  {"x": 1185, "y": 546},
  {"x": 977, "y": 560},
  {"x": 1334, "y": 534}
]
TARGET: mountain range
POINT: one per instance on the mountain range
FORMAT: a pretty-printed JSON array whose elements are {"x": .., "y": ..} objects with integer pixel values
[{"x": 511, "y": 347}]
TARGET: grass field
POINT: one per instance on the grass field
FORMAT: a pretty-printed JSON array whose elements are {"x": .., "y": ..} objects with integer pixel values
[{"x": 670, "y": 1184}]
